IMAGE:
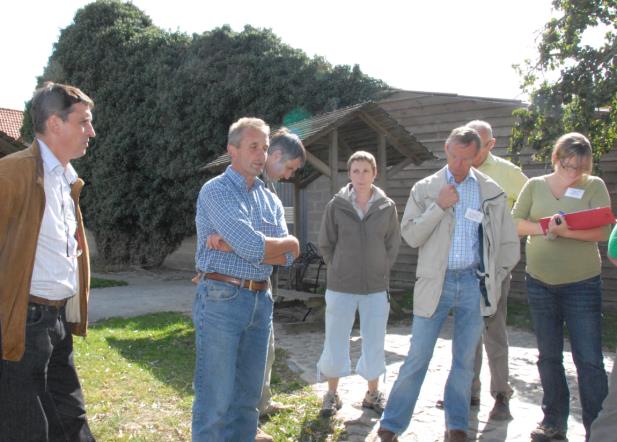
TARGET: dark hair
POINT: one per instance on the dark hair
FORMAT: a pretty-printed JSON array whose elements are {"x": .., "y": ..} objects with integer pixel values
[
  {"x": 289, "y": 144},
  {"x": 464, "y": 135},
  {"x": 55, "y": 99}
]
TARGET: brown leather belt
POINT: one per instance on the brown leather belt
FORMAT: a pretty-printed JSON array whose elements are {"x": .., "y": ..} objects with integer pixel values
[
  {"x": 44, "y": 301},
  {"x": 244, "y": 283}
]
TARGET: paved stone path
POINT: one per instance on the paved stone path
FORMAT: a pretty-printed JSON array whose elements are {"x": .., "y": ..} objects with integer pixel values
[{"x": 304, "y": 347}]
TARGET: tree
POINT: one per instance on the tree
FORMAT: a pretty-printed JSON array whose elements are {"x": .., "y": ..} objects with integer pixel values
[
  {"x": 583, "y": 97},
  {"x": 164, "y": 103}
]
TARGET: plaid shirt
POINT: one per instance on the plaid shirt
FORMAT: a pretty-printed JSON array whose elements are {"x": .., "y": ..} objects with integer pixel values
[
  {"x": 465, "y": 248},
  {"x": 244, "y": 218}
]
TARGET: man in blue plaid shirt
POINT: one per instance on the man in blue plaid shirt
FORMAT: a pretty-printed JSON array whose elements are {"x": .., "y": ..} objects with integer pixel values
[{"x": 241, "y": 234}]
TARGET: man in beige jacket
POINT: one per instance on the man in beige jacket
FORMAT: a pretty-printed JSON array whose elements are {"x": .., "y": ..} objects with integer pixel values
[{"x": 460, "y": 221}]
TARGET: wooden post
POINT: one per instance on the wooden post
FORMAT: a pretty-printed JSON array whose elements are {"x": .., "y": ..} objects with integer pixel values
[
  {"x": 297, "y": 231},
  {"x": 382, "y": 161},
  {"x": 334, "y": 162}
]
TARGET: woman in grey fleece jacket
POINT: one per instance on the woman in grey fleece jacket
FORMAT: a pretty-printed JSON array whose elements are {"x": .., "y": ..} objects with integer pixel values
[{"x": 359, "y": 240}]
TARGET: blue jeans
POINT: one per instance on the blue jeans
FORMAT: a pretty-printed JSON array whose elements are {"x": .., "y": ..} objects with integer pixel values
[
  {"x": 232, "y": 327},
  {"x": 461, "y": 294},
  {"x": 579, "y": 306}
]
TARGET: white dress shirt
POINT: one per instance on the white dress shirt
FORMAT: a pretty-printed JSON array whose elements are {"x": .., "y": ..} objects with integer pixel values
[{"x": 55, "y": 265}]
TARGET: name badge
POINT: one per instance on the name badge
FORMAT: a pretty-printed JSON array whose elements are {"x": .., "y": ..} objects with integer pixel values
[
  {"x": 573, "y": 192},
  {"x": 474, "y": 215}
]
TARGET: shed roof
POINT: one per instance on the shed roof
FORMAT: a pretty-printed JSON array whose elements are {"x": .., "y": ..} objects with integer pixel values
[
  {"x": 357, "y": 127},
  {"x": 11, "y": 121}
]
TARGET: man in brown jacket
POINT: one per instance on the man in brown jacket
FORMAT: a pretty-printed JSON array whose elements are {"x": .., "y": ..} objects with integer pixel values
[{"x": 44, "y": 273}]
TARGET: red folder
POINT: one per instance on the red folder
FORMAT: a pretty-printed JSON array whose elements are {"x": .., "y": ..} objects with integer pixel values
[{"x": 584, "y": 219}]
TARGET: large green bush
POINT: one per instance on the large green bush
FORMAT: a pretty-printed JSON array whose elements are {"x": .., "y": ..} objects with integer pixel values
[{"x": 164, "y": 101}]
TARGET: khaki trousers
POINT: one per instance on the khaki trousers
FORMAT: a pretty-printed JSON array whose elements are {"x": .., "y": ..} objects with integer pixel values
[{"x": 495, "y": 339}]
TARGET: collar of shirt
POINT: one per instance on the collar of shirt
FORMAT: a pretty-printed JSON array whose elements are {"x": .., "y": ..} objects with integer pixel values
[
  {"x": 450, "y": 177},
  {"x": 490, "y": 160},
  {"x": 52, "y": 165},
  {"x": 240, "y": 182},
  {"x": 354, "y": 197}
]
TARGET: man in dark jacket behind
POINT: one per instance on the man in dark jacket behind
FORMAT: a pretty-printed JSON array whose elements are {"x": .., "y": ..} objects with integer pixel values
[{"x": 44, "y": 273}]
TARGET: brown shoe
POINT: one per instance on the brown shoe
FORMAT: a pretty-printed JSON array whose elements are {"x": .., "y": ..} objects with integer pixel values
[
  {"x": 455, "y": 436},
  {"x": 501, "y": 409},
  {"x": 386, "y": 435},
  {"x": 262, "y": 436}
]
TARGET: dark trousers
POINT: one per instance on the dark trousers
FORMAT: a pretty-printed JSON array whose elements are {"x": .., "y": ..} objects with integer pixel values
[
  {"x": 40, "y": 396},
  {"x": 578, "y": 305}
]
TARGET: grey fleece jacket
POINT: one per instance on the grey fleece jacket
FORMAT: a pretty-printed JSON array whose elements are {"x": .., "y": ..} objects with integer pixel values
[{"x": 359, "y": 253}]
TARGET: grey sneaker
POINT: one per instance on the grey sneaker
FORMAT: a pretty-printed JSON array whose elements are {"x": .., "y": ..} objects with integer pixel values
[
  {"x": 547, "y": 434},
  {"x": 374, "y": 400},
  {"x": 331, "y": 404}
]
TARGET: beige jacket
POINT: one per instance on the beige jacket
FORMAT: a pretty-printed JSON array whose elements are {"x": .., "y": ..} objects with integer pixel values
[
  {"x": 426, "y": 226},
  {"x": 22, "y": 204}
]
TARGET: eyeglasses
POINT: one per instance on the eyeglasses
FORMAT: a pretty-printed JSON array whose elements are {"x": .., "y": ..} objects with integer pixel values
[{"x": 570, "y": 168}]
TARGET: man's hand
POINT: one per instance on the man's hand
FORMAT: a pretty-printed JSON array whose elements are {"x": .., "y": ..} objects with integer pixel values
[
  {"x": 296, "y": 246},
  {"x": 216, "y": 242},
  {"x": 448, "y": 196}
]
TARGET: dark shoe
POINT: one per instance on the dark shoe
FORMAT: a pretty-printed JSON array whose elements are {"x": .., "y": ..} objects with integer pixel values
[
  {"x": 386, "y": 435},
  {"x": 501, "y": 409},
  {"x": 455, "y": 436},
  {"x": 331, "y": 404},
  {"x": 374, "y": 400},
  {"x": 547, "y": 434},
  {"x": 474, "y": 402}
]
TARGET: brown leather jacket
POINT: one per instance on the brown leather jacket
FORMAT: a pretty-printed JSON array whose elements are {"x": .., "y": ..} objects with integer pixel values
[{"x": 22, "y": 204}]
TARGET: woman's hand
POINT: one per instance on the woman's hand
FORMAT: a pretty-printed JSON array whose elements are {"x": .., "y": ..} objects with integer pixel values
[{"x": 557, "y": 226}]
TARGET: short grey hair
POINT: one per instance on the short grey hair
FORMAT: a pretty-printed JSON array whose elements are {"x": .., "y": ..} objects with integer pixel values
[
  {"x": 481, "y": 125},
  {"x": 236, "y": 130},
  {"x": 464, "y": 135},
  {"x": 289, "y": 144}
]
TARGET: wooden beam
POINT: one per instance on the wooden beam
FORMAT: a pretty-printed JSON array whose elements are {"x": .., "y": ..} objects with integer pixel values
[
  {"x": 297, "y": 214},
  {"x": 370, "y": 121},
  {"x": 334, "y": 161},
  {"x": 345, "y": 145},
  {"x": 382, "y": 162},
  {"x": 309, "y": 179},
  {"x": 400, "y": 166},
  {"x": 322, "y": 167}
]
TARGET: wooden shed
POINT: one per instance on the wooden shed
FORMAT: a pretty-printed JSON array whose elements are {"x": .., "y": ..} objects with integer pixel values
[{"x": 330, "y": 139}]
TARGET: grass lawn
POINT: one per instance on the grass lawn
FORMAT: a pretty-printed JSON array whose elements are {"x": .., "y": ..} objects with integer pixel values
[
  {"x": 137, "y": 374},
  {"x": 99, "y": 283}
]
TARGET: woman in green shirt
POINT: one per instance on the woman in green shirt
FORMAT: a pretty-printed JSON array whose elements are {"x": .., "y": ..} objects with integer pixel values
[{"x": 563, "y": 282}]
